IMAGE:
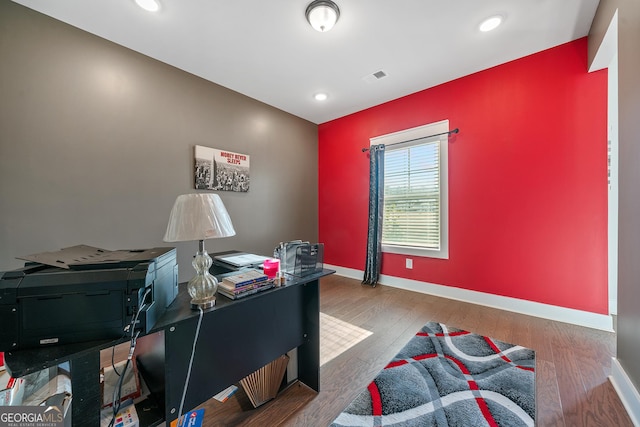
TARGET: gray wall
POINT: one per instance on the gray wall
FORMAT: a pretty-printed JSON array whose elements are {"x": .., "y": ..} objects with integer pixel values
[
  {"x": 628, "y": 339},
  {"x": 96, "y": 142}
]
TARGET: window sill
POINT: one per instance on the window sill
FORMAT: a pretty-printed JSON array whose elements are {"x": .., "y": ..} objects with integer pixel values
[{"x": 409, "y": 250}]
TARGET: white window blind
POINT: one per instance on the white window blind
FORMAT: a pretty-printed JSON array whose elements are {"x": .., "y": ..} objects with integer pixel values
[
  {"x": 415, "y": 216},
  {"x": 412, "y": 196}
]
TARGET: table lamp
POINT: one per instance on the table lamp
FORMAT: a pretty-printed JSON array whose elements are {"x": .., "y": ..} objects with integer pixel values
[{"x": 199, "y": 216}]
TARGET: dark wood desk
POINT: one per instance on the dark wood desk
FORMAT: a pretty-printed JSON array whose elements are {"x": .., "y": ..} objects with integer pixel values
[{"x": 236, "y": 338}]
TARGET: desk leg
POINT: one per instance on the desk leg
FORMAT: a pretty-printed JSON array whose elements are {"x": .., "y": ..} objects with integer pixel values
[
  {"x": 309, "y": 351},
  {"x": 85, "y": 389}
]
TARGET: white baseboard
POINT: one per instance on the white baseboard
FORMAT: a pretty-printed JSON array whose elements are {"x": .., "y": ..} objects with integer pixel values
[
  {"x": 626, "y": 390},
  {"x": 546, "y": 311}
]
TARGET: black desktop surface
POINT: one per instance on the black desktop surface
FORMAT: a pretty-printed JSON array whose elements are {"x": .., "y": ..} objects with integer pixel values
[{"x": 181, "y": 309}]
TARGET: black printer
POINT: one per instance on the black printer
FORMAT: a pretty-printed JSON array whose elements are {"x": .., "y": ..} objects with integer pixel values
[{"x": 94, "y": 295}]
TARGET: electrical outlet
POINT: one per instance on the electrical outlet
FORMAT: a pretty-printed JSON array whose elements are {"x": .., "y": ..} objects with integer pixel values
[{"x": 409, "y": 263}]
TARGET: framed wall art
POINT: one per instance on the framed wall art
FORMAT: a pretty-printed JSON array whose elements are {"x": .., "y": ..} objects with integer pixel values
[{"x": 221, "y": 170}]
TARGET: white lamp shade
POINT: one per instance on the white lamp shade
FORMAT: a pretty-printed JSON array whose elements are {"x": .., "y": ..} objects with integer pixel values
[{"x": 198, "y": 216}]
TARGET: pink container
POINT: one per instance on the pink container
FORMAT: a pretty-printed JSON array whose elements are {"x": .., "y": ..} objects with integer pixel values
[{"x": 271, "y": 267}]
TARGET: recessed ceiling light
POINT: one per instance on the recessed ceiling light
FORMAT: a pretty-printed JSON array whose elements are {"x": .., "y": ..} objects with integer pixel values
[
  {"x": 150, "y": 5},
  {"x": 491, "y": 23},
  {"x": 321, "y": 96}
]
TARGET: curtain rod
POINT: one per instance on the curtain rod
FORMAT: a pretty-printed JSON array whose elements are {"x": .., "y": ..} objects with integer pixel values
[{"x": 456, "y": 130}]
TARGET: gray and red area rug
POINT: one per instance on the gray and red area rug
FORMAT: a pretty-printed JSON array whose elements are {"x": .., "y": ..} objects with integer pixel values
[{"x": 448, "y": 377}]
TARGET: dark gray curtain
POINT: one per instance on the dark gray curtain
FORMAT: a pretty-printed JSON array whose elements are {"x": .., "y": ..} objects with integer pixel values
[{"x": 376, "y": 199}]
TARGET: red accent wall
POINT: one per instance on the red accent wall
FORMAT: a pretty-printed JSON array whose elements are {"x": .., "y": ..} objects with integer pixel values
[{"x": 527, "y": 180}]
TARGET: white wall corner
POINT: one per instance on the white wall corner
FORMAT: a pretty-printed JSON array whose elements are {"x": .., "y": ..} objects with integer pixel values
[
  {"x": 530, "y": 308},
  {"x": 626, "y": 390},
  {"x": 608, "y": 46}
]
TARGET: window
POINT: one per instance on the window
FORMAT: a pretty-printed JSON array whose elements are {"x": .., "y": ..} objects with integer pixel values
[{"x": 415, "y": 219}]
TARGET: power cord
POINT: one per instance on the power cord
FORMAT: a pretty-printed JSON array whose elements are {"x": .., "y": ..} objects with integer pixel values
[
  {"x": 117, "y": 391},
  {"x": 131, "y": 327},
  {"x": 193, "y": 352}
]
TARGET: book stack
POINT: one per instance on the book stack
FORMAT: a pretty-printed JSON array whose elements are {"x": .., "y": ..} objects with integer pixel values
[{"x": 244, "y": 284}]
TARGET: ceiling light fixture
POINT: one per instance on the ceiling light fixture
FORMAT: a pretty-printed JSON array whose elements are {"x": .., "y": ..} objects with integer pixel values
[
  {"x": 150, "y": 5},
  {"x": 322, "y": 15},
  {"x": 491, "y": 23},
  {"x": 320, "y": 96}
]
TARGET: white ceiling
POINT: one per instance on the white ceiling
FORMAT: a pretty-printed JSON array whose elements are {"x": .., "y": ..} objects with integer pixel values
[{"x": 267, "y": 50}]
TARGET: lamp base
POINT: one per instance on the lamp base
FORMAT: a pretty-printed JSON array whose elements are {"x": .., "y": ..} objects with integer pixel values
[
  {"x": 203, "y": 286},
  {"x": 203, "y": 303}
]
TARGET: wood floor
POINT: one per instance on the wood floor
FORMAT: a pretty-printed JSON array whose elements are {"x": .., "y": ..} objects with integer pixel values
[{"x": 573, "y": 363}]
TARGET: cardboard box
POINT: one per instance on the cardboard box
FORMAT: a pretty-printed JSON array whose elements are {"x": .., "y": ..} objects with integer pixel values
[{"x": 130, "y": 384}]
